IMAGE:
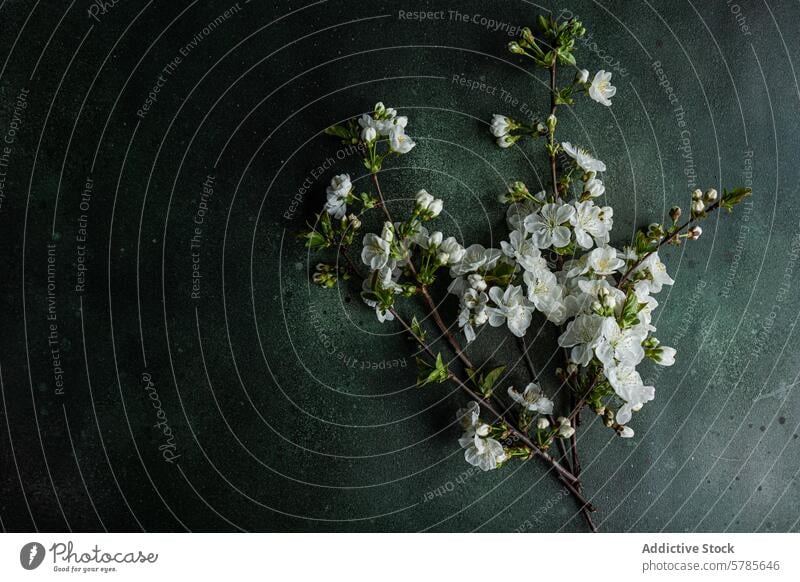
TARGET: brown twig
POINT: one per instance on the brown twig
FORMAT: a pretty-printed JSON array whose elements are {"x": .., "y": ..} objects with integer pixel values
[{"x": 666, "y": 240}]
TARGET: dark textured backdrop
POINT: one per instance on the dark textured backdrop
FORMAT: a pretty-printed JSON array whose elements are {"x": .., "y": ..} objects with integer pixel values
[{"x": 258, "y": 378}]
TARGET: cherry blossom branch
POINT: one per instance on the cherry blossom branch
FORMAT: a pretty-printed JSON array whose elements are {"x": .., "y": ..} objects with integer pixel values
[
  {"x": 566, "y": 476},
  {"x": 667, "y": 240}
]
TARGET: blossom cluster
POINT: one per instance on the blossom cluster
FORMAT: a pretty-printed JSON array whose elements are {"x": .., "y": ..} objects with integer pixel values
[{"x": 556, "y": 266}]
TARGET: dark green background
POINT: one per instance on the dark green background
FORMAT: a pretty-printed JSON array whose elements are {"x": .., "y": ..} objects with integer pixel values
[{"x": 275, "y": 430}]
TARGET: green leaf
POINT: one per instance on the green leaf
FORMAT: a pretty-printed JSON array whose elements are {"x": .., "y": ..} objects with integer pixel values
[
  {"x": 734, "y": 197},
  {"x": 338, "y": 131},
  {"x": 488, "y": 381},
  {"x": 630, "y": 311},
  {"x": 314, "y": 240},
  {"x": 429, "y": 374}
]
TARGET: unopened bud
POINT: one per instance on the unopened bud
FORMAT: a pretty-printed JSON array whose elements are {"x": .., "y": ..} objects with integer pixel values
[
  {"x": 697, "y": 194},
  {"x": 513, "y": 47},
  {"x": 711, "y": 195},
  {"x": 698, "y": 206},
  {"x": 542, "y": 424},
  {"x": 675, "y": 213}
]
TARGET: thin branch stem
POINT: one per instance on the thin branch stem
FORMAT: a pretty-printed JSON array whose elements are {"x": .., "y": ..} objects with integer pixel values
[{"x": 666, "y": 240}]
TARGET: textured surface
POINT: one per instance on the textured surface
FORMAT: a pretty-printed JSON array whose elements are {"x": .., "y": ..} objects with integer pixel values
[{"x": 291, "y": 408}]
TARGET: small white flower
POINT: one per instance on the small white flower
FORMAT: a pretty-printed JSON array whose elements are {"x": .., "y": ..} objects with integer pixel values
[
  {"x": 627, "y": 384},
  {"x": 622, "y": 345},
  {"x": 477, "y": 282},
  {"x": 543, "y": 290},
  {"x": 626, "y": 432},
  {"x": 484, "y": 453},
  {"x": 369, "y": 134},
  {"x": 436, "y": 207},
  {"x": 524, "y": 251},
  {"x": 453, "y": 250},
  {"x": 665, "y": 356},
  {"x": 337, "y": 192},
  {"x": 581, "y": 335},
  {"x": 657, "y": 272},
  {"x": 501, "y": 125},
  {"x": 587, "y": 224},
  {"x": 375, "y": 252},
  {"x": 565, "y": 429},
  {"x": 594, "y": 187},
  {"x": 423, "y": 199},
  {"x": 532, "y": 399},
  {"x": 542, "y": 423},
  {"x": 604, "y": 261},
  {"x": 601, "y": 89},
  {"x": 475, "y": 257},
  {"x": 547, "y": 226},
  {"x": 512, "y": 308},
  {"x": 435, "y": 239},
  {"x": 583, "y": 158},
  {"x": 582, "y": 76},
  {"x": 399, "y": 142}
]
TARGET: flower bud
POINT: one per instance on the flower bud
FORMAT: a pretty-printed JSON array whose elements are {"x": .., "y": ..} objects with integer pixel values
[
  {"x": 424, "y": 199},
  {"x": 626, "y": 432},
  {"x": 675, "y": 213},
  {"x": 572, "y": 368},
  {"x": 435, "y": 239},
  {"x": 695, "y": 232},
  {"x": 443, "y": 258},
  {"x": 436, "y": 207},
  {"x": 552, "y": 121},
  {"x": 697, "y": 194},
  {"x": 527, "y": 36},
  {"x": 698, "y": 206},
  {"x": 481, "y": 317},
  {"x": 355, "y": 222},
  {"x": 513, "y": 47},
  {"x": 711, "y": 196},
  {"x": 582, "y": 76},
  {"x": 542, "y": 424},
  {"x": 477, "y": 282},
  {"x": 368, "y": 134}
]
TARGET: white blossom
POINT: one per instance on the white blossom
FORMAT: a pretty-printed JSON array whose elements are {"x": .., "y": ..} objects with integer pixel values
[
  {"x": 454, "y": 252},
  {"x": 501, "y": 125},
  {"x": 512, "y": 308},
  {"x": 594, "y": 187},
  {"x": 622, "y": 345},
  {"x": 337, "y": 195},
  {"x": 604, "y": 261},
  {"x": 581, "y": 334},
  {"x": 532, "y": 399},
  {"x": 527, "y": 254},
  {"x": 583, "y": 158},
  {"x": 627, "y": 384},
  {"x": 601, "y": 89},
  {"x": 665, "y": 356},
  {"x": 588, "y": 225},
  {"x": 547, "y": 226},
  {"x": 399, "y": 142},
  {"x": 485, "y": 453}
]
